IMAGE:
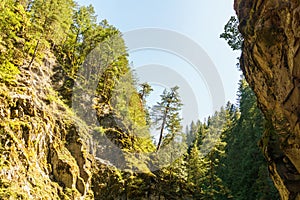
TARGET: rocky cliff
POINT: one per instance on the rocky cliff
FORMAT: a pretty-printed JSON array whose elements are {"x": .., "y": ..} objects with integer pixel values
[
  {"x": 43, "y": 156},
  {"x": 72, "y": 122},
  {"x": 271, "y": 64},
  {"x": 48, "y": 152}
]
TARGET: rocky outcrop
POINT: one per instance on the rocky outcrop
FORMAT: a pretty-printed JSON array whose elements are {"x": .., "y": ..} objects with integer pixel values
[
  {"x": 48, "y": 152},
  {"x": 42, "y": 153},
  {"x": 271, "y": 64}
]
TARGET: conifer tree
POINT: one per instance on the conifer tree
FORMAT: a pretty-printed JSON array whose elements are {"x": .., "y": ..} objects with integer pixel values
[
  {"x": 145, "y": 90},
  {"x": 232, "y": 35},
  {"x": 51, "y": 19},
  {"x": 196, "y": 170},
  {"x": 245, "y": 172},
  {"x": 213, "y": 149},
  {"x": 166, "y": 115}
]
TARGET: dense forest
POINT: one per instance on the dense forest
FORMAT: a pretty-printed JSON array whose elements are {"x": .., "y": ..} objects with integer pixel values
[{"x": 75, "y": 123}]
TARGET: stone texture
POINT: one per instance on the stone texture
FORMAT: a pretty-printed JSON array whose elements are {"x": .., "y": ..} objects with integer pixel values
[
  {"x": 271, "y": 64},
  {"x": 42, "y": 154}
]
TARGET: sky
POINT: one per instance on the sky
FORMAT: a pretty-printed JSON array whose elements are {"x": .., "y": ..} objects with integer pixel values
[{"x": 198, "y": 21}]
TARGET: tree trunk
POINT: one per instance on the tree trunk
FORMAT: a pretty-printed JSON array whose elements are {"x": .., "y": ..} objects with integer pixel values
[
  {"x": 162, "y": 127},
  {"x": 34, "y": 54},
  {"x": 270, "y": 62},
  {"x": 161, "y": 134}
]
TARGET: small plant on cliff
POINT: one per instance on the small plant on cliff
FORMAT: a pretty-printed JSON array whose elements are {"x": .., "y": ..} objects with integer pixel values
[{"x": 232, "y": 34}]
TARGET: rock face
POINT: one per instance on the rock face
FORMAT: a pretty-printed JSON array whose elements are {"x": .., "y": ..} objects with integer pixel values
[
  {"x": 271, "y": 64},
  {"x": 48, "y": 152},
  {"x": 42, "y": 153}
]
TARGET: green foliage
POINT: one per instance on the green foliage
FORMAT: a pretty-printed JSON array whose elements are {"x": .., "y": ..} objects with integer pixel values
[
  {"x": 145, "y": 90},
  {"x": 245, "y": 169},
  {"x": 29, "y": 28},
  {"x": 115, "y": 70},
  {"x": 212, "y": 148},
  {"x": 71, "y": 54},
  {"x": 8, "y": 71},
  {"x": 14, "y": 22},
  {"x": 83, "y": 36},
  {"x": 232, "y": 35},
  {"x": 223, "y": 160},
  {"x": 127, "y": 105},
  {"x": 166, "y": 116},
  {"x": 52, "y": 18},
  {"x": 196, "y": 170}
]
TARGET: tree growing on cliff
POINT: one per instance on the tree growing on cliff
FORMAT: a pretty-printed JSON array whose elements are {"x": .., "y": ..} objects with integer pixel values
[
  {"x": 232, "y": 35},
  {"x": 50, "y": 22},
  {"x": 167, "y": 116},
  {"x": 145, "y": 90}
]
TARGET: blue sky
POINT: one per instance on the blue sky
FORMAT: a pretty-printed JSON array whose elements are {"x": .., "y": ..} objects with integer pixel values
[{"x": 200, "y": 20}]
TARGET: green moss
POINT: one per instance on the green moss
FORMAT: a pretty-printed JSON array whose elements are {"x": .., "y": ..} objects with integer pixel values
[
  {"x": 51, "y": 98},
  {"x": 8, "y": 72},
  {"x": 99, "y": 131},
  {"x": 70, "y": 194}
]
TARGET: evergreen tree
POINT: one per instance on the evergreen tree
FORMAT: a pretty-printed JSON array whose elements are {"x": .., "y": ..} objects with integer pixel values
[
  {"x": 245, "y": 172},
  {"x": 51, "y": 19},
  {"x": 232, "y": 35},
  {"x": 167, "y": 115},
  {"x": 213, "y": 150},
  {"x": 145, "y": 90},
  {"x": 192, "y": 133},
  {"x": 196, "y": 170}
]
